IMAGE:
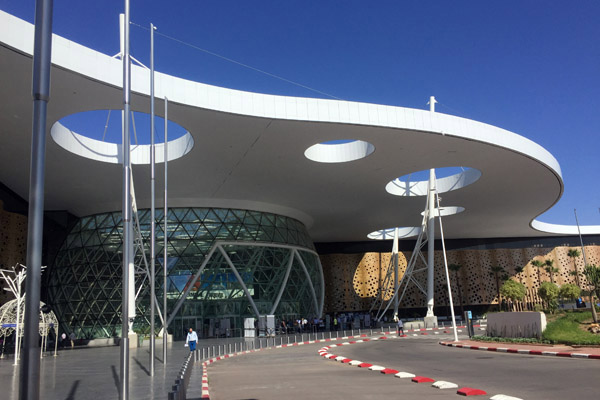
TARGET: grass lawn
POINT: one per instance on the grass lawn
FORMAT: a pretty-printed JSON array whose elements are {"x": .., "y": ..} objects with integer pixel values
[{"x": 570, "y": 328}]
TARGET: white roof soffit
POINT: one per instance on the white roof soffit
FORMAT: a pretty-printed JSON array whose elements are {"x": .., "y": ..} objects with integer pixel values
[{"x": 247, "y": 150}]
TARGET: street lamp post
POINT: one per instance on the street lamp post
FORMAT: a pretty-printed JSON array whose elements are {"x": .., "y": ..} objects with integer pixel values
[{"x": 29, "y": 378}]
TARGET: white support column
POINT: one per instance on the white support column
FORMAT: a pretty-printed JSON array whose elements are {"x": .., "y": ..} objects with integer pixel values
[
  {"x": 240, "y": 280},
  {"x": 395, "y": 257},
  {"x": 309, "y": 280},
  {"x": 430, "y": 241},
  {"x": 284, "y": 283},
  {"x": 18, "y": 325},
  {"x": 439, "y": 214}
]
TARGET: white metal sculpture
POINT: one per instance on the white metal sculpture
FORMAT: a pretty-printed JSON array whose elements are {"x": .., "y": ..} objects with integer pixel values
[{"x": 12, "y": 313}]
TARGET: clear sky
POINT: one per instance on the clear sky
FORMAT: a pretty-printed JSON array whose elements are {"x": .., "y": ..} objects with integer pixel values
[{"x": 531, "y": 67}]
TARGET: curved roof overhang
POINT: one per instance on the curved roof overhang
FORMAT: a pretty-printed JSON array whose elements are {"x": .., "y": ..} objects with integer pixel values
[{"x": 249, "y": 151}]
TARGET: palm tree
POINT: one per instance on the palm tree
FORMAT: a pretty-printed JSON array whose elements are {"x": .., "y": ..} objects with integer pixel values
[
  {"x": 455, "y": 268},
  {"x": 519, "y": 270},
  {"x": 538, "y": 264},
  {"x": 592, "y": 275},
  {"x": 496, "y": 270},
  {"x": 574, "y": 253},
  {"x": 550, "y": 269}
]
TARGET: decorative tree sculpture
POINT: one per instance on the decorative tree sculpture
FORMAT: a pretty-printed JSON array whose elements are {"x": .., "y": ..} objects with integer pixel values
[{"x": 12, "y": 313}]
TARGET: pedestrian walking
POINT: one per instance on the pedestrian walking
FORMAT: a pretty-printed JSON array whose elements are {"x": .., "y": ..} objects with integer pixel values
[
  {"x": 63, "y": 340},
  {"x": 191, "y": 340},
  {"x": 72, "y": 337},
  {"x": 400, "y": 327}
]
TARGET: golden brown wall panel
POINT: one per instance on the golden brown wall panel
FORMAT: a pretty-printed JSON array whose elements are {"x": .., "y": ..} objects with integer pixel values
[{"x": 353, "y": 280}]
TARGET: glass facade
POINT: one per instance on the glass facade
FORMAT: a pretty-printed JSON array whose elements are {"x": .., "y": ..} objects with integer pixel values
[{"x": 223, "y": 265}]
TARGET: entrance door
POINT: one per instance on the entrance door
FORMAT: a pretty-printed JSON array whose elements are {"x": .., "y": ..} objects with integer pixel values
[{"x": 183, "y": 325}]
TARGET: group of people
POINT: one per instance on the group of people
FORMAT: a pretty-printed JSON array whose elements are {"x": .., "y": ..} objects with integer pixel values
[
  {"x": 298, "y": 326},
  {"x": 350, "y": 320},
  {"x": 71, "y": 338},
  {"x": 301, "y": 325}
]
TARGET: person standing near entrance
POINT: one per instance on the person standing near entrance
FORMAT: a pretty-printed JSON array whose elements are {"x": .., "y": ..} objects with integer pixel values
[{"x": 191, "y": 340}]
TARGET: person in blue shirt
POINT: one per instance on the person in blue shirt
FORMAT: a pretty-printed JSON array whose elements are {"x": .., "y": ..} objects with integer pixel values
[{"x": 191, "y": 340}]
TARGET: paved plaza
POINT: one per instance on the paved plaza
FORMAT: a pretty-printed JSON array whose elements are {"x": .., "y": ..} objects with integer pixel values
[
  {"x": 299, "y": 371},
  {"x": 93, "y": 373}
]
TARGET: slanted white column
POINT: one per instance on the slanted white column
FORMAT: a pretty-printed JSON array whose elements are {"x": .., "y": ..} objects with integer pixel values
[
  {"x": 430, "y": 241},
  {"x": 395, "y": 256}
]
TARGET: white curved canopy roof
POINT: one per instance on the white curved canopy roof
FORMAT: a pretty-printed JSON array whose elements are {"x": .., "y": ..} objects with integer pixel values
[{"x": 247, "y": 150}]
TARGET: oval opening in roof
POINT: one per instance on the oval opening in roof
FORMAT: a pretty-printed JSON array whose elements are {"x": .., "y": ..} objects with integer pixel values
[
  {"x": 97, "y": 135},
  {"x": 339, "y": 151},
  {"x": 388, "y": 233},
  {"x": 447, "y": 180},
  {"x": 106, "y": 126}
]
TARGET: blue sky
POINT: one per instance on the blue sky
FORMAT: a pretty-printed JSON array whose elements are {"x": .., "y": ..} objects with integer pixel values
[{"x": 531, "y": 67}]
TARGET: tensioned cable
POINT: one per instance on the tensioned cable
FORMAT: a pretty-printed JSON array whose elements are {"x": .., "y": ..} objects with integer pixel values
[
  {"x": 106, "y": 125},
  {"x": 452, "y": 109},
  {"x": 237, "y": 62}
]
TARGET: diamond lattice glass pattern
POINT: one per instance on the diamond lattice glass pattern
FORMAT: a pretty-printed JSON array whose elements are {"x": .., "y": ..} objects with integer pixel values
[{"x": 84, "y": 282}]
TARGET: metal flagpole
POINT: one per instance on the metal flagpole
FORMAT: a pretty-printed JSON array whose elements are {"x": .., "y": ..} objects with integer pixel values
[
  {"x": 127, "y": 226},
  {"x": 152, "y": 205},
  {"x": 29, "y": 377},
  {"x": 165, "y": 253}
]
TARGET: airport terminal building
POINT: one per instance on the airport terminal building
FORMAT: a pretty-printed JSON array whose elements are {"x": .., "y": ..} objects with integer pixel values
[{"x": 276, "y": 205}]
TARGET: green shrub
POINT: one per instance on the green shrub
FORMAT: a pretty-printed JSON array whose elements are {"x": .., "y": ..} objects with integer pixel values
[
  {"x": 569, "y": 291},
  {"x": 565, "y": 328},
  {"x": 513, "y": 290},
  {"x": 548, "y": 291},
  {"x": 507, "y": 340}
]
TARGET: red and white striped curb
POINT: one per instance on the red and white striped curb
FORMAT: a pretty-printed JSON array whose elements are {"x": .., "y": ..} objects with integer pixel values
[
  {"x": 325, "y": 352},
  {"x": 434, "y": 331},
  {"x": 205, "y": 394},
  {"x": 523, "y": 351}
]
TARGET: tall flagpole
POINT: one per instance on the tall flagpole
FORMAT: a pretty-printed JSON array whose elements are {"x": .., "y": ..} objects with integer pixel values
[
  {"x": 127, "y": 226},
  {"x": 152, "y": 205},
  {"x": 165, "y": 252},
  {"x": 29, "y": 377}
]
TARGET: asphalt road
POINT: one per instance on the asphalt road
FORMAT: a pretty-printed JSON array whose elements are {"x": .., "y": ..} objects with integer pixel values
[
  {"x": 523, "y": 376},
  {"x": 300, "y": 372}
]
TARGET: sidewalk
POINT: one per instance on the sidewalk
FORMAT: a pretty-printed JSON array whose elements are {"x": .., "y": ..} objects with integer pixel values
[{"x": 529, "y": 348}]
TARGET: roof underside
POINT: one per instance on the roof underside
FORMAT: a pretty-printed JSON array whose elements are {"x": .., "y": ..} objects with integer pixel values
[{"x": 251, "y": 157}]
